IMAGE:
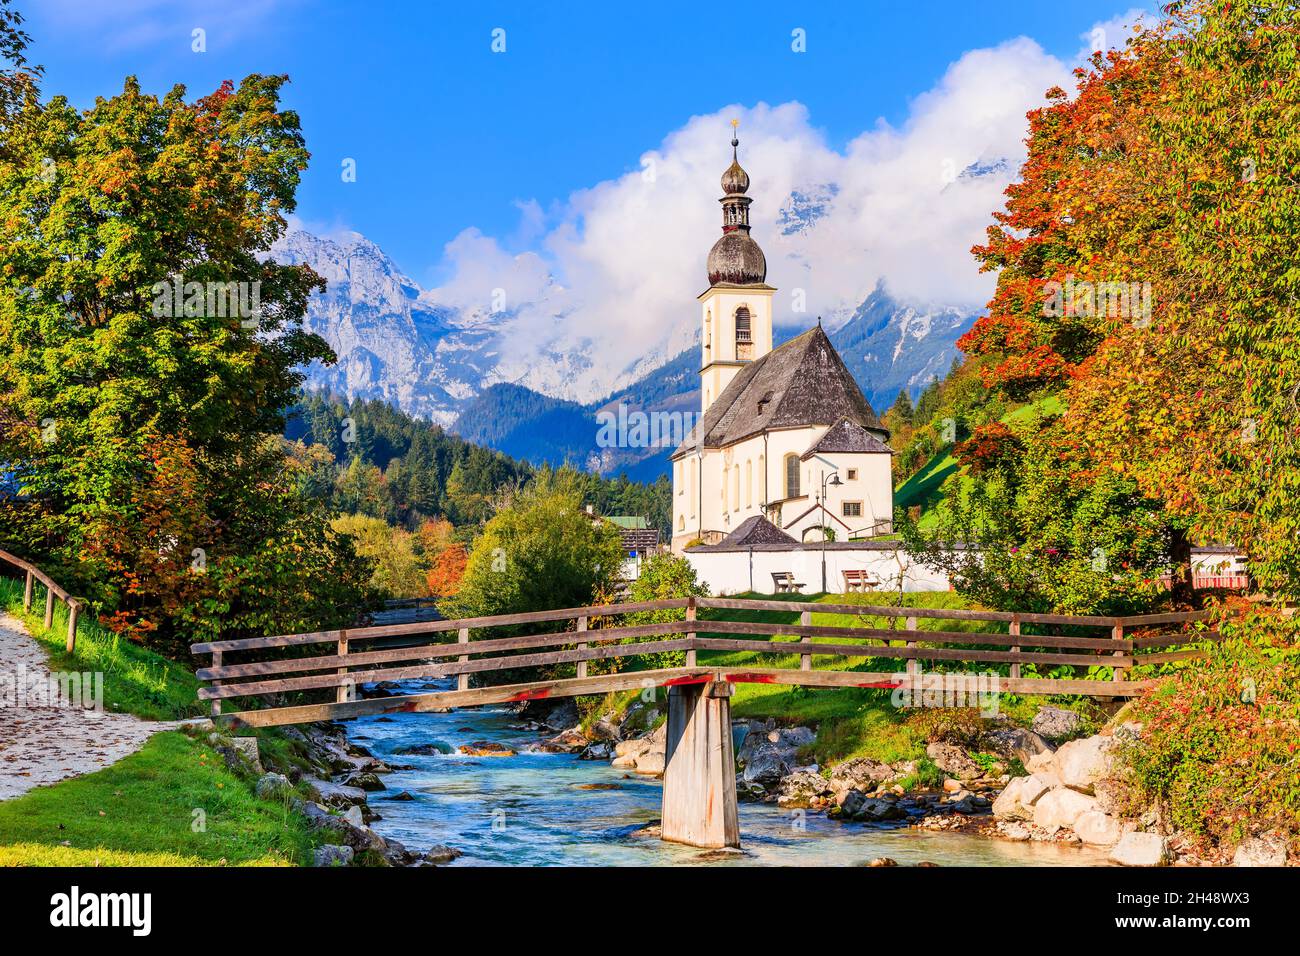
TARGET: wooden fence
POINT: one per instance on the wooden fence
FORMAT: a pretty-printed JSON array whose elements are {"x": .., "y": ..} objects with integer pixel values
[
  {"x": 461, "y": 648},
  {"x": 52, "y": 591}
]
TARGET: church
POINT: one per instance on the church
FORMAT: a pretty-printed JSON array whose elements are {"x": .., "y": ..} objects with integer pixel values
[{"x": 785, "y": 440}]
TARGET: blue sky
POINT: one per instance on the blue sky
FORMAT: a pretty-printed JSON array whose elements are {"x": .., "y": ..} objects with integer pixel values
[{"x": 449, "y": 136}]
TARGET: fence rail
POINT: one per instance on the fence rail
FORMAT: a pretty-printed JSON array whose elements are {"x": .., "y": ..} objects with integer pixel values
[
  {"x": 442, "y": 649},
  {"x": 52, "y": 590}
]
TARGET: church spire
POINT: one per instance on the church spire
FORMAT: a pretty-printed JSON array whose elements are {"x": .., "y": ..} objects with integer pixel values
[{"x": 736, "y": 257}]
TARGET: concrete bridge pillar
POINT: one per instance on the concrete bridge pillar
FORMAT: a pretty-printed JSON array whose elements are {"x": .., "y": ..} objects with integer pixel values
[{"x": 700, "y": 767}]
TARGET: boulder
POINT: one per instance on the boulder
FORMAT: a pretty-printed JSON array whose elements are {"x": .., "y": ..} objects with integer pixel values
[
  {"x": 336, "y": 794},
  {"x": 364, "y": 780},
  {"x": 403, "y": 795},
  {"x": 1044, "y": 762},
  {"x": 272, "y": 785},
  {"x": 600, "y": 750},
  {"x": 798, "y": 790},
  {"x": 354, "y": 816},
  {"x": 1097, "y": 829},
  {"x": 561, "y": 716},
  {"x": 569, "y": 741},
  {"x": 1141, "y": 849},
  {"x": 1018, "y": 743},
  {"x": 954, "y": 761},
  {"x": 486, "y": 748},
  {"x": 431, "y": 749},
  {"x": 1010, "y": 804},
  {"x": 859, "y": 774},
  {"x": 331, "y": 855},
  {"x": 1081, "y": 763},
  {"x": 1267, "y": 850},
  {"x": 439, "y": 854},
  {"x": 858, "y": 806},
  {"x": 1060, "y": 808},
  {"x": 247, "y": 747},
  {"x": 1035, "y": 786},
  {"x": 632, "y": 748},
  {"x": 1055, "y": 723},
  {"x": 768, "y": 755},
  {"x": 650, "y": 763}
]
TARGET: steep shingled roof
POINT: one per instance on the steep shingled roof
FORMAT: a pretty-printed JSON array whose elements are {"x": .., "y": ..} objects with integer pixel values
[
  {"x": 846, "y": 437},
  {"x": 756, "y": 530},
  {"x": 803, "y": 382}
]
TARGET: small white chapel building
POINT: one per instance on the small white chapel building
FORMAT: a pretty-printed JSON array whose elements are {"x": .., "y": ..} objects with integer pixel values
[{"x": 785, "y": 434}]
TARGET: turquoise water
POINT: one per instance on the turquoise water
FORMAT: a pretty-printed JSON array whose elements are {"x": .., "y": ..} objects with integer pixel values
[{"x": 541, "y": 810}]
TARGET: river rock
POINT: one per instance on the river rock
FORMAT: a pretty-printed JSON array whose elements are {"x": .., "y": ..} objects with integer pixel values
[
  {"x": 599, "y": 750},
  {"x": 1081, "y": 763},
  {"x": 561, "y": 716},
  {"x": 1018, "y": 743},
  {"x": 332, "y": 855},
  {"x": 954, "y": 761},
  {"x": 569, "y": 741},
  {"x": 272, "y": 785},
  {"x": 769, "y": 755},
  {"x": 1060, "y": 808},
  {"x": 336, "y": 795},
  {"x": 364, "y": 780},
  {"x": 650, "y": 763},
  {"x": 439, "y": 854},
  {"x": 1141, "y": 849},
  {"x": 1054, "y": 723},
  {"x": 1267, "y": 850},
  {"x": 1044, "y": 762},
  {"x": 403, "y": 795},
  {"x": 858, "y": 806},
  {"x": 486, "y": 748},
  {"x": 859, "y": 774},
  {"x": 1017, "y": 799},
  {"x": 799, "y": 790},
  {"x": 1097, "y": 829},
  {"x": 433, "y": 748}
]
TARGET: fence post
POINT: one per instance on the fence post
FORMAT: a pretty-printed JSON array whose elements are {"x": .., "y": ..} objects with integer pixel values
[
  {"x": 49, "y": 607},
  {"x": 913, "y": 665},
  {"x": 805, "y": 659},
  {"x": 462, "y": 680},
  {"x": 582, "y": 645},
  {"x": 216, "y": 704},
  {"x": 74, "y": 611},
  {"x": 344, "y": 693},
  {"x": 27, "y": 591},
  {"x": 1117, "y": 633},
  {"x": 1014, "y": 630},
  {"x": 690, "y": 636}
]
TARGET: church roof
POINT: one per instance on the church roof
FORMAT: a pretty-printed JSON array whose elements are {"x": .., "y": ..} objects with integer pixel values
[
  {"x": 847, "y": 437},
  {"x": 803, "y": 382},
  {"x": 756, "y": 530}
]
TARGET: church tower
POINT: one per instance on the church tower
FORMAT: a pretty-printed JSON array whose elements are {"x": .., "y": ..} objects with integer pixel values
[{"x": 736, "y": 309}]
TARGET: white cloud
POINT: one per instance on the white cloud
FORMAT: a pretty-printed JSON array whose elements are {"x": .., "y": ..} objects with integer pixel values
[
  {"x": 626, "y": 257},
  {"x": 1113, "y": 33}
]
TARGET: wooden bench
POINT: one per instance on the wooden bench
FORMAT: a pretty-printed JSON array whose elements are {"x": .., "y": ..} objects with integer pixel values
[
  {"x": 784, "y": 583},
  {"x": 859, "y": 580}
]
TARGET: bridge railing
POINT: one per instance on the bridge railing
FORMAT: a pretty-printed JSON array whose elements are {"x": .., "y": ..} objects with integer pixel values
[
  {"x": 461, "y": 648},
  {"x": 52, "y": 591}
]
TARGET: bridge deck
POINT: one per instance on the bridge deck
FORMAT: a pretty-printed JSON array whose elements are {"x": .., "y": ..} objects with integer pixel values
[{"x": 283, "y": 671}]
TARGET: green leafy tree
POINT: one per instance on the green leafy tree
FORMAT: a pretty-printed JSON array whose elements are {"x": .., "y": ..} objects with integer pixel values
[
  {"x": 663, "y": 577},
  {"x": 542, "y": 551}
]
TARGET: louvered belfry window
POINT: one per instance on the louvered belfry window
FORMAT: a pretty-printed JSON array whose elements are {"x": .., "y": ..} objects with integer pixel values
[{"x": 742, "y": 325}]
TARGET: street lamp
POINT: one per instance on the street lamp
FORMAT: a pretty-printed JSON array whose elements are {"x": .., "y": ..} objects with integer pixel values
[{"x": 833, "y": 479}]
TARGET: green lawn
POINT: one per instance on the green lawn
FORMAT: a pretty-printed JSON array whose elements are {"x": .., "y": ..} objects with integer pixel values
[
  {"x": 144, "y": 811},
  {"x": 136, "y": 681}
]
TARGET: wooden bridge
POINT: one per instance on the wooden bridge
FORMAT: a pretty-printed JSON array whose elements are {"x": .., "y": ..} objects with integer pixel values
[{"x": 699, "y": 776}]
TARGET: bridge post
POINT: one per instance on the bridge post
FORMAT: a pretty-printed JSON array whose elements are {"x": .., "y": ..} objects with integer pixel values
[{"x": 699, "y": 805}]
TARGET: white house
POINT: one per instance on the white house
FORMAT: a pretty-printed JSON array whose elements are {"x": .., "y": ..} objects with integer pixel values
[{"x": 785, "y": 433}]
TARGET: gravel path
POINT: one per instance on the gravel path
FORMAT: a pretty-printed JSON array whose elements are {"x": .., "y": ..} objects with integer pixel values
[{"x": 40, "y": 744}]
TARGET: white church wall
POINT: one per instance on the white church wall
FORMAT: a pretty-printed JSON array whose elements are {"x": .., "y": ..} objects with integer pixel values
[{"x": 734, "y": 572}]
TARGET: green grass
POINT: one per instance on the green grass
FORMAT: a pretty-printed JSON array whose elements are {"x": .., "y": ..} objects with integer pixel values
[
  {"x": 136, "y": 680},
  {"x": 140, "y": 811}
]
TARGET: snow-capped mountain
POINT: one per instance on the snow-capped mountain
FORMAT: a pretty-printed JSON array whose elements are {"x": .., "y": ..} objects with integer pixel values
[{"x": 396, "y": 343}]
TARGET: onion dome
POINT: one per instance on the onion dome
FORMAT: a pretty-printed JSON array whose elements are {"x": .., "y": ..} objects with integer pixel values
[{"x": 736, "y": 257}]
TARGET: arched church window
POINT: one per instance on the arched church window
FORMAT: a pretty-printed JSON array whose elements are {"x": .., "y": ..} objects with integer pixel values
[
  {"x": 792, "y": 476},
  {"x": 749, "y": 483},
  {"x": 742, "y": 325}
]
